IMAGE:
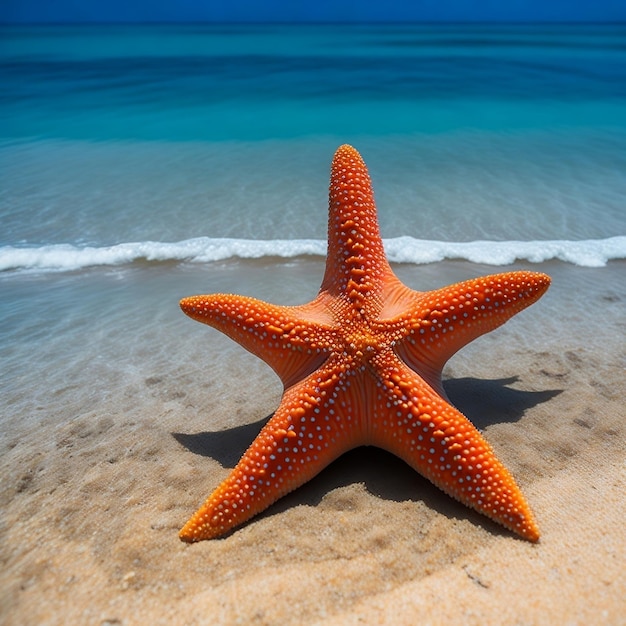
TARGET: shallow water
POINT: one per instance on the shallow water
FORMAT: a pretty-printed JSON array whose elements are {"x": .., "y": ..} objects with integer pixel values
[{"x": 80, "y": 342}]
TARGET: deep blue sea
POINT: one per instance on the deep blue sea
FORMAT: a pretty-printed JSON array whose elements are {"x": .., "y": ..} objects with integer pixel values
[{"x": 141, "y": 164}]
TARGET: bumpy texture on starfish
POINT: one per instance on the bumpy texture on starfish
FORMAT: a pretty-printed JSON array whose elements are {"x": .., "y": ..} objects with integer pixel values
[{"x": 361, "y": 365}]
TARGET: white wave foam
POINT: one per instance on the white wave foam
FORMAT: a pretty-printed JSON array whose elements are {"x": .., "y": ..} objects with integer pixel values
[
  {"x": 586, "y": 253},
  {"x": 66, "y": 257}
]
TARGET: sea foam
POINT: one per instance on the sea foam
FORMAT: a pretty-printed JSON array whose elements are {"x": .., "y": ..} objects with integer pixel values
[{"x": 66, "y": 257}]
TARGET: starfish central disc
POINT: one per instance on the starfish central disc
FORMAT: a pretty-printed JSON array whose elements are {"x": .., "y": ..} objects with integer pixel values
[
  {"x": 361, "y": 365},
  {"x": 363, "y": 344}
]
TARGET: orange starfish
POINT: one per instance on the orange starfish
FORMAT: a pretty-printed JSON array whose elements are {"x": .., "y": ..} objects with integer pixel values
[{"x": 361, "y": 365}]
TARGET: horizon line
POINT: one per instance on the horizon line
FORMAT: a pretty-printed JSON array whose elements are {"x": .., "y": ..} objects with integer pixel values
[{"x": 442, "y": 22}]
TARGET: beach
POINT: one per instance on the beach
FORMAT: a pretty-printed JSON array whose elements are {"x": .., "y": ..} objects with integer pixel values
[
  {"x": 143, "y": 164},
  {"x": 93, "y": 503}
]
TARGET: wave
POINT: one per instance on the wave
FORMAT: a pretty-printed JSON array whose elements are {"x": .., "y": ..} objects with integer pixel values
[{"x": 67, "y": 257}]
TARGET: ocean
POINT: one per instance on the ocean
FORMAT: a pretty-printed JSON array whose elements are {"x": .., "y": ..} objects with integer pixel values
[{"x": 141, "y": 164}]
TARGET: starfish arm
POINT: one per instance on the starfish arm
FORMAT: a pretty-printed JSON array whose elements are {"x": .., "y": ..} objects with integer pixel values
[
  {"x": 443, "y": 445},
  {"x": 307, "y": 432},
  {"x": 441, "y": 322},
  {"x": 356, "y": 265},
  {"x": 292, "y": 340}
]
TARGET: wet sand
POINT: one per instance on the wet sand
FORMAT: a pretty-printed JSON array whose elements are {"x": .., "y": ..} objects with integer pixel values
[{"x": 91, "y": 505}]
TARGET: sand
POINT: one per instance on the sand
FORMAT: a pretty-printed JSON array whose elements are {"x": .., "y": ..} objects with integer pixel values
[{"x": 91, "y": 506}]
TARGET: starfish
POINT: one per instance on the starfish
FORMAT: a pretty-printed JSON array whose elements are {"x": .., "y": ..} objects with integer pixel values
[{"x": 361, "y": 365}]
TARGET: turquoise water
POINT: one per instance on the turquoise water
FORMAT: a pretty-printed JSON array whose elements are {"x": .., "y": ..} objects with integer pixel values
[
  {"x": 141, "y": 164},
  {"x": 164, "y": 134},
  {"x": 203, "y": 83}
]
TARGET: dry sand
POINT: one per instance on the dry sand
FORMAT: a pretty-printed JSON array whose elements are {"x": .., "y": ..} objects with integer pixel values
[{"x": 91, "y": 507}]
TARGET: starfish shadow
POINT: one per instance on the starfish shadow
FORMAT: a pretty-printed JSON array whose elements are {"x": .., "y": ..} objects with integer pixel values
[
  {"x": 492, "y": 401},
  {"x": 484, "y": 402},
  {"x": 225, "y": 446}
]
